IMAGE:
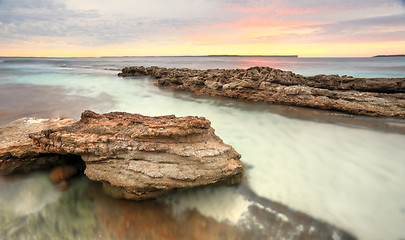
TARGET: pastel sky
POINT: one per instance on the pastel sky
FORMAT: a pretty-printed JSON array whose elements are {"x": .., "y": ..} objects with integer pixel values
[{"x": 308, "y": 28}]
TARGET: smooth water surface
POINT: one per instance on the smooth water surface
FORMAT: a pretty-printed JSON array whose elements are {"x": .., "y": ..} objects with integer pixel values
[{"x": 349, "y": 175}]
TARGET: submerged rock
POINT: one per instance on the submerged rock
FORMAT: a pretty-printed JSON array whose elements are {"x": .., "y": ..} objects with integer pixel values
[
  {"x": 364, "y": 96},
  {"x": 139, "y": 157},
  {"x": 61, "y": 175}
]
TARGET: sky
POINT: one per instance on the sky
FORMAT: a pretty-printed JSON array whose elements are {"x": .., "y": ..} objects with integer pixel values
[{"x": 308, "y": 28}]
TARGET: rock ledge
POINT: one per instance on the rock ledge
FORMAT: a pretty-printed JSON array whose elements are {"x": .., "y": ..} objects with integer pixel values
[
  {"x": 135, "y": 156},
  {"x": 363, "y": 96}
]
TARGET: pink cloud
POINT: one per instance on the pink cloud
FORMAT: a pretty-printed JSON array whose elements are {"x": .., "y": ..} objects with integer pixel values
[
  {"x": 300, "y": 11},
  {"x": 275, "y": 10},
  {"x": 259, "y": 22}
]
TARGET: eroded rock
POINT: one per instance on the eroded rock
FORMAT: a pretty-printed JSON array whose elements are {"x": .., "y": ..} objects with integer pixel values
[
  {"x": 19, "y": 154},
  {"x": 140, "y": 157},
  {"x": 363, "y": 96}
]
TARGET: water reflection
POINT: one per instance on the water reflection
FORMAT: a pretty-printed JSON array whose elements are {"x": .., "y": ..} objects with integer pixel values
[
  {"x": 205, "y": 213},
  {"x": 84, "y": 211}
]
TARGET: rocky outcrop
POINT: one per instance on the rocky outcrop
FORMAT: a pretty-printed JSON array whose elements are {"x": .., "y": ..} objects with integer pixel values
[
  {"x": 139, "y": 157},
  {"x": 18, "y": 154},
  {"x": 364, "y": 96}
]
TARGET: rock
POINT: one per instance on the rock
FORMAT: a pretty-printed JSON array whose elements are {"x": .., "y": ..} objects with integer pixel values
[
  {"x": 62, "y": 185},
  {"x": 141, "y": 71},
  {"x": 139, "y": 157},
  {"x": 364, "y": 96},
  {"x": 63, "y": 173},
  {"x": 18, "y": 152}
]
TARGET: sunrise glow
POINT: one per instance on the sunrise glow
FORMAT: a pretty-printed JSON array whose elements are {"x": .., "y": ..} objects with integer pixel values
[{"x": 54, "y": 28}]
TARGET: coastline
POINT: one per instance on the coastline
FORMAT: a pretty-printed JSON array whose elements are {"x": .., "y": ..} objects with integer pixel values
[
  {"x": 292, "y": 148},
  {"x": 382, "y": 56},
  {"x": 380, "y": 97}
]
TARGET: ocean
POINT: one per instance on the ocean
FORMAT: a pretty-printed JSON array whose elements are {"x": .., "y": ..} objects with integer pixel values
[{"x": 347, "y": 171}]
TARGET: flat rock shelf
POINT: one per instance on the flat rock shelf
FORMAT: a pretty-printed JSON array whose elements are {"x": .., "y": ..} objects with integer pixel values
[{"x": 362, "y": 96}]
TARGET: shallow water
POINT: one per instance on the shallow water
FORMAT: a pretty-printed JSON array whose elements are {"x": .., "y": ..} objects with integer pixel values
[{"x": 346, "y": 170}]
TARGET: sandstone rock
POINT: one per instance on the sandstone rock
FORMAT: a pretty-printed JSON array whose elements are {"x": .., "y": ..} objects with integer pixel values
[
  {"x": 139, "y": 157},
  {"x": 63, "y": 173},
  {"x": 18, "y": 152},
  {"x": 364, "y": 96}
]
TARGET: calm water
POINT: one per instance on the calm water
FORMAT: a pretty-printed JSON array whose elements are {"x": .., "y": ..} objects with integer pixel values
[{"x": 346, "y": 170}]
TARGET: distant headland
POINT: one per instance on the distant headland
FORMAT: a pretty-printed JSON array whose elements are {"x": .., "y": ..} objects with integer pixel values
[
  {"x": 396, "y": 55},
  {"x": 224, "y": 55},
  {"x": 295, "y": 56}
]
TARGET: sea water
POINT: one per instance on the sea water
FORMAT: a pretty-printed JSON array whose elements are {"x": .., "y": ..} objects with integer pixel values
[{"x": 338, "y": 168}]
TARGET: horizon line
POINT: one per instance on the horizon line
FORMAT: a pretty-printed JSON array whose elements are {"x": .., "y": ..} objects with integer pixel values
[{"x": 210, "y": 55}]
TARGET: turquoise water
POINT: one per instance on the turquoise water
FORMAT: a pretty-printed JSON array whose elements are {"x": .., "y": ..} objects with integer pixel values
[{"x": 341, "y": 169}]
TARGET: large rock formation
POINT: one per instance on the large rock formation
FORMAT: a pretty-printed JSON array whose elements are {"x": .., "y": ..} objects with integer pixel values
[
  {"x": 18, "y": 154},
  {"x": 139, "y": 157},
  {"x": 365, "y": 96}
]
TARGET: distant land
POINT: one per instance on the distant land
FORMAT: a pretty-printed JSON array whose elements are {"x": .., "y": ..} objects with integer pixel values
[
  {"x": 225, "y": 55},
  {"x": 295, "y": 56},
  {"x": 396, "y": 55}
]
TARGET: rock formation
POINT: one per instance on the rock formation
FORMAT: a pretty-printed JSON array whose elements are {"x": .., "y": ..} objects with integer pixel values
[
  {"x": 364, "y": 96},
  {"x": 136, "y": 157}
]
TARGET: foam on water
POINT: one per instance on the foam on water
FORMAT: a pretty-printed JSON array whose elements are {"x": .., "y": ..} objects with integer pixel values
[
  {"x": 28, "y": 195},
  {"x": 230, "y": 206},
  {"x": 35, "y": 120}
]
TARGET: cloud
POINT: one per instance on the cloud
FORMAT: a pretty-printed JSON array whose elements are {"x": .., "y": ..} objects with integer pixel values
[
  {"x": 28, "y": 19},
  {"x": 384, "y": 28},
  {"x": 25, "y": 18},
  {"x": 376, "y": 29},
  {"x": 180, "y": 22},
  {"x": 402, "y": 2},
  {"x": 273, "y": 29}
]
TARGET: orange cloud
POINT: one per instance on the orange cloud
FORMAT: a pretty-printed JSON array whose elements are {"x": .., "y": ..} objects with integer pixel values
[{"x": 248, "y": 30}]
